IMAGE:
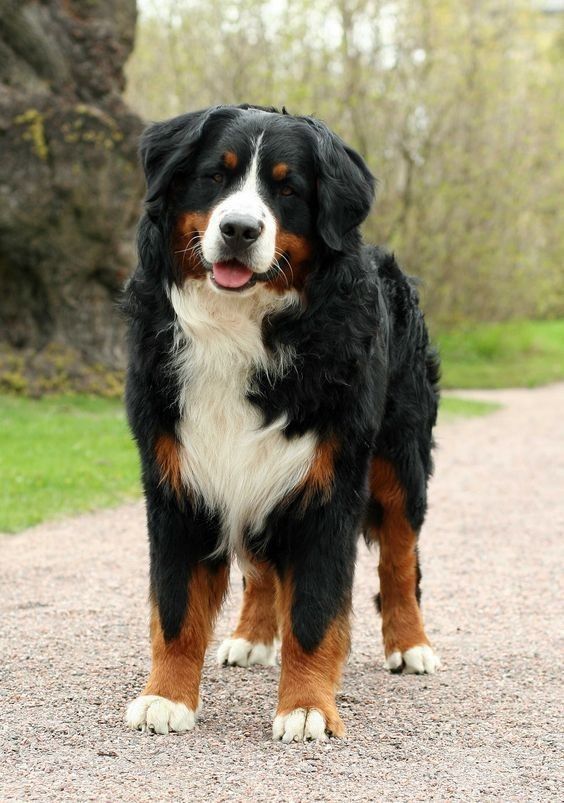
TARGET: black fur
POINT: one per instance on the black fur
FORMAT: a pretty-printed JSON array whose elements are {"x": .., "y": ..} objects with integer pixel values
[{"x": 364, "y": 372}]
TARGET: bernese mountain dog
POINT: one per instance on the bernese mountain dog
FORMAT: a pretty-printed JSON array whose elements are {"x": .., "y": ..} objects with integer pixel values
[{"x": 282, "y": 393}]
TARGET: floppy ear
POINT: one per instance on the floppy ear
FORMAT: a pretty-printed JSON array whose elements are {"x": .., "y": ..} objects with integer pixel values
[
  {"x": 345, "y": 188},
  {"x": 167, "y": 148}
]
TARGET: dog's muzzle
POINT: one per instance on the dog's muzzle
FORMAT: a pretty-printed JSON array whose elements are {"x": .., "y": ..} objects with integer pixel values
[{"x": 239, "y": 232}]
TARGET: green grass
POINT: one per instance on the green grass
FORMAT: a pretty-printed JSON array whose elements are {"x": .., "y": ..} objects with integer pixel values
[
  {"x": 62, "y": 455},
  {"x": 464, "y": 408},
  {"x": 515, "y": 354}
]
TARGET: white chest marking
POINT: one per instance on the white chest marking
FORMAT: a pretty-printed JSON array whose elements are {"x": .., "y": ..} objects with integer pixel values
[{"x": 232, "y": 463}]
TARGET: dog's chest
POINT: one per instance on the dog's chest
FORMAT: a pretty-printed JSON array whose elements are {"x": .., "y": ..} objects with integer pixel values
[{"x": 230, "y": 461}]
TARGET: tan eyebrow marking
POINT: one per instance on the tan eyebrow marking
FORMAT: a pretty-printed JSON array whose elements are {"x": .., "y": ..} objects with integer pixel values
[
  {"x": 230, "y": 159},
  {"x": 280, "y": 171}
]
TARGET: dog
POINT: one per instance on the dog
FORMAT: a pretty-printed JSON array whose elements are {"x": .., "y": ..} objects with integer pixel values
[{"x": 282, "y": 392}]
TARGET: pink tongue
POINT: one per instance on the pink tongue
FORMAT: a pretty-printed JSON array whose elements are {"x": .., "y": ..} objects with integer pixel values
[{"x": 231, "y": 274}]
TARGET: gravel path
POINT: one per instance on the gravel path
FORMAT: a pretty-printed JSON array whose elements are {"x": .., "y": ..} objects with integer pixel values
[{"x": 74, "y": 650}]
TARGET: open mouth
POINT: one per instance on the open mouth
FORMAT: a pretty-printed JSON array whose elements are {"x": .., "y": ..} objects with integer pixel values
[{"x": 232, "y": 275}]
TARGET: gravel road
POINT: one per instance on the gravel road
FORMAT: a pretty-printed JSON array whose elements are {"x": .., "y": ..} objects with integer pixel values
[{"x": 74, "y": 651}]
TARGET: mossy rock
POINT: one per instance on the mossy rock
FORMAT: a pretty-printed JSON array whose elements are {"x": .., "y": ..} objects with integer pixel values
[{"x": 56, "y": 369}]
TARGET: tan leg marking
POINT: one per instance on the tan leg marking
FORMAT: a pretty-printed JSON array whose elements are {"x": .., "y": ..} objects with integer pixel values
[
  {"x": 257, "y": 620},
  {"x": 402, "y": 623},
  {"x": 177, "y": 664},
  {"x": 254, "y": 640},
  {"x": 310, "y": 680}
]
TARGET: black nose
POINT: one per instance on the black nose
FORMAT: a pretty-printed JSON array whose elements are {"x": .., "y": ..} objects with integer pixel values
[{"x": 240, "y": 231}]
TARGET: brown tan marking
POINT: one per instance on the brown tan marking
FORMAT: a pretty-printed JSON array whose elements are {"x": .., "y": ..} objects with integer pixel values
[
  {"x": 280, "y": 171},
  {"x": 402, "y": 623},
  {"x": 167, "y": 454},
  {"x": 297, "y": 251},
  {"x": 177, "y": 664},
  {"x": 230, "y": 160},
  {"x": 311, "y": 679},
  {"x": 319, "y": 479},
  {"x": 186, "y": 242},
  {"x": 257, "y": 619}
]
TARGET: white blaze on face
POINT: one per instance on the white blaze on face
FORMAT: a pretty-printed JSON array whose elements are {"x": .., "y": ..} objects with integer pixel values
[{"x": 248, "y": 201}]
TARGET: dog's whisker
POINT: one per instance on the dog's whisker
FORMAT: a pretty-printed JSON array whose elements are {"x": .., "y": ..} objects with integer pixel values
[
  {"x": 282, "y": 255},
  {"x": 279, "y": 270},
  {"x": 193, "y": 247}
]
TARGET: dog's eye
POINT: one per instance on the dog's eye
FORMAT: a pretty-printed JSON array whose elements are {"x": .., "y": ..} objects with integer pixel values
[
  {"x": 286, "y": 191},
  {"x": 217, "y": 177}
]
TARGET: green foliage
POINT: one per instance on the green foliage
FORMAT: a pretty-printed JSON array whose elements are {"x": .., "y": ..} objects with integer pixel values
[
  {"x": 513, "y": 354},
  {"x": 63, "y": 455},
  {"x": 453, "y": 102}
]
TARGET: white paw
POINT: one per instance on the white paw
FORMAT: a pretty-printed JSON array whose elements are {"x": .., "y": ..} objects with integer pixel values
[
  {"x": 240, "y": 652},
  {"x": 300, "y": 725},
  {"x": 415, "y": 661},
  {"x": 159, "y": 715}
]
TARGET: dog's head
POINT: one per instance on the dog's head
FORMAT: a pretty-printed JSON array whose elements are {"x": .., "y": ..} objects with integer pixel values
[{"x": 249, "y": 197}]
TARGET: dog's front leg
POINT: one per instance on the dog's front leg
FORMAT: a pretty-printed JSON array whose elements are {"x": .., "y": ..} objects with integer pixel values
[
  {"x": 309, "y": 678},
  {"x": 314, "y": 587},
  {"x": 186, "y": 593}
]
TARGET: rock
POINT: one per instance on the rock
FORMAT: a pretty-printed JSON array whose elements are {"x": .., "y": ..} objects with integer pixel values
[{"x": 70, "y": 186}]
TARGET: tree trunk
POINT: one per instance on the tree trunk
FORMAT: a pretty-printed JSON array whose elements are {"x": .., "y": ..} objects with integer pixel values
[{"x": 70, "y": 187}]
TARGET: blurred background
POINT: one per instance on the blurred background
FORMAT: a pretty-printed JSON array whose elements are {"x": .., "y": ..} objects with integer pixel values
[
  {"x": 456, "y": 105},
  {"x": 452, "y": 103}
]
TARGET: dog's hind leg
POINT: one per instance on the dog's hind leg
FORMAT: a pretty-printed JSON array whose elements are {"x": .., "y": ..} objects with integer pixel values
[
  {"x": 406, "y": 644},
  {"x": 254, "y": 640}
]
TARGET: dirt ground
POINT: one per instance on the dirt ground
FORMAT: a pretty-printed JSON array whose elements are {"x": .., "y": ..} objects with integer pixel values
[{"x": 74, "y": 650}]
